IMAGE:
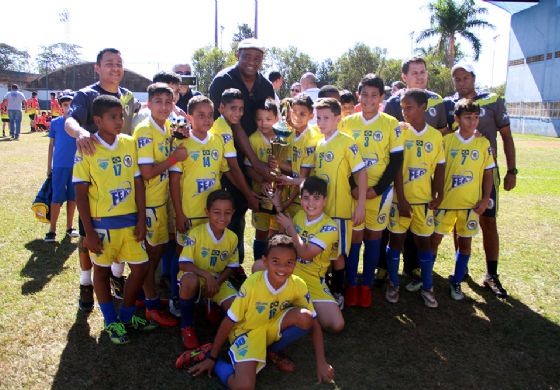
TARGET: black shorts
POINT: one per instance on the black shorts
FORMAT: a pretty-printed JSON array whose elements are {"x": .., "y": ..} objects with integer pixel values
[
  {"x": 32, "y": 116},
  {"x": 6, "y": 120},
  {"x": 492, "y": 209},
  {"x": 41, "y": 126}
]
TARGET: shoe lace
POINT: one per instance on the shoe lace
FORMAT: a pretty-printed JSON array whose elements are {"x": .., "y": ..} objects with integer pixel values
[
  {"x": 117, "y": 328},
  {"x": 138, "y": 321}
]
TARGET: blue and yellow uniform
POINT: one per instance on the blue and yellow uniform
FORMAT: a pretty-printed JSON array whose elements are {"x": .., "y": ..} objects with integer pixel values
[
  {"x": 323, "y": 233},
  {"x": 211, "y": 254},
  {"x": 222, "y": 128},
  {"x": 423, "y": 150},
  {"x": 153, "y": 144},
  {"x": 257, "y": 312},
  {"x": 376, "y": 138},
  {"x": 465, "y": 163},
  {"x": 336, "y": 159},
  {"x": 435, "y": 115},
  {"x": 110, "y": 174},
  {"x": 200, "y": 175}
]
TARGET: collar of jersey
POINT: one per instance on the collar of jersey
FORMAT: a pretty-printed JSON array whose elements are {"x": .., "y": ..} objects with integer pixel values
[
  {"x": 216, "y": 241},
  {"x": 368, "y": 121},
  {"x": 307, "y": 223},
  {"x": 156, "y": 126},
  {"x": 264, "y": 137},
  {"x": 298, "y": 137},
  {"x": 421, "y": 132},
  {"x": 105, "y": 144},
  {"x": 200, "y": 141},
  {"x": 331, "y": 137},
  {"x": 460, "y": 138},
  {"x": 272, "y": 290}
]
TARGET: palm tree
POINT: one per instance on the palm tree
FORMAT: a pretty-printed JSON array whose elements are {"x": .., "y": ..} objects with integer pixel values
[{"x": 450, "y": 18}]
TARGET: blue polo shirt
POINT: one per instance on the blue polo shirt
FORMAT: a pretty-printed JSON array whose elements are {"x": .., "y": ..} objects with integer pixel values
[{"x": 64, "y": 145}]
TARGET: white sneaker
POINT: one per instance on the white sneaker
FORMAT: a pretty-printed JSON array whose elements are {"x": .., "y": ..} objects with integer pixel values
[
  {"x": 456, "y": 292},
  {"x": 392, "y": 293},
  {"x": 174, "y": 307},
  {"x": 429, "y": 298},
  {"x": 339, "y": 298}
]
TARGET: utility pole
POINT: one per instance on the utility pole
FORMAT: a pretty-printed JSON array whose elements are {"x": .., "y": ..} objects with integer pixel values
[
  {"x": 256, "y": 18},
  {"x": 411, "y": 34},
  {"x": 215, "y": 23},
  {"x": 493, "y": 59}
]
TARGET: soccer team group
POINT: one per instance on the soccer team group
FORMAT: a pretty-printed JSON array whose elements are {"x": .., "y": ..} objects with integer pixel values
[{"x": 350, "y": 175}]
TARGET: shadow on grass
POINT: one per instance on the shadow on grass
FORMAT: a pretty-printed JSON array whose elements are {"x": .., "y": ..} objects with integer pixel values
[
  {"x": 488, "y": 343},
  {"x": 46, "y": 261}
]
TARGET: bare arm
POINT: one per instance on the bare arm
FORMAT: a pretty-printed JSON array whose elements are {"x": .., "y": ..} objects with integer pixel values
[
  {"x": 360, "y": 212},
  {"x": 84, "y": 142},
  {"x": 175, "y": 190},
  {"x": 92, "y": 242},
  {"x": 140, "y": 198},
  {"x": 402, "y": 202},
  {"x": 325, "y": 372},
  {"x": 50, "y": 157},
  {"x": 509, "y": 151},
  {"x": 149, "y": 171},
  {"x": 306, "y": 252},
  {"x": 487, "y": 182},
  {"x": 238, "y": 179},
  {"x": 437, "y": 186}
]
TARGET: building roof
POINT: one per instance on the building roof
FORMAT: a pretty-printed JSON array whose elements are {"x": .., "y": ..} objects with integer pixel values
[{"x": 514, "y": 6}]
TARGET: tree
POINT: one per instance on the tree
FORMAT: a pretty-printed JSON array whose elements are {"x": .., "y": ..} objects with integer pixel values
[
  {"x": 207, "y": 61},
  {"x": 57, "y": 56},
  {"x": 353, "y": 65},
  {"x": 390, "y": 70},
  {"x": 13, "y": 59},
  {"x": 291, "y": 63},
  {"x": 243, "y": 32},
  {"x": 450, "y": 19},
  {"x": 326, "y": 73}
]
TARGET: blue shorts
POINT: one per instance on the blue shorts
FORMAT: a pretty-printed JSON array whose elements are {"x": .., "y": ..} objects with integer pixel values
[{"x": 63, "y": 189}]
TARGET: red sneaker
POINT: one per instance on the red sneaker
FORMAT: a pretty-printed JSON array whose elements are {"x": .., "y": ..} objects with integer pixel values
[
  {"x": 351, "y": 296},
  {"x": 189, "y": 358},
  {"x": 162, "y": 318},
  {"x": 188, "y": 335},
  {"x": 364, "y": 296}
]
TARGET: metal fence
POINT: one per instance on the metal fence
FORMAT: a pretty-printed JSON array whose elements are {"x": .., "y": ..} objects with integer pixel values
[{"x": 543, "y": 110}]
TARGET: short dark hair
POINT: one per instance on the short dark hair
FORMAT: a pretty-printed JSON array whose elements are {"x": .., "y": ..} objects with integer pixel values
[
  {"x": 166, "y": 77},
  {"x": 329, "y": 103},
  {"x": 53, "y": 94},
  {"x": 274, "y": 75},
  {"x": 268, "y": 105},
  {"x": 158, "y": 89},
  {"x": 218, "y": 195},
  {"x": 372, "y": 80},
  {"x": 303, "y": 100},
  {"x": 34, "y": 93},
  {"x": 329, "y": 91},
  {"x": 314, "y": 185},
  {"x": 280, "y": 241},
  {"x": 416, "y": 94},
  {"x": 196, "y": 100},
  {"x": 466, "y": 105},
  {"x": 15, "y": 87},
  {"x": 231, "y": 94},
  {"x": 104, "y": 103},
  {"x": 414, "y": 60},
  {"x": 399, "y": 84},
  {"x": 347, "y": 97},
  {"x": 106, "y": 50}
]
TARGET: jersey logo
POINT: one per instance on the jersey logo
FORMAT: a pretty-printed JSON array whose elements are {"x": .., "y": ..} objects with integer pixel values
[
  {"x": 310, "y": 150},
  {"x": 242, "y": 293},
  {"x": 474, "y": 155},
  {"x": 328, "y": 228},
  {"x": 454, "y": 153},
  {"x": 381, "y": 218},
  {"x": 189, "y": 241},
  {"x": 459, "y": 180},
  {"x": 472, "y": 225},
  {"x": 241, "y": 344},
  {"x": 415, "y": 173},
  {"x": 203, "y": 185},
  {"x": 409, "y": 144},
  {"x": 284, "y": 305},
  {"x": 371, "y": 161},
  {"x": 224, "y": 255},
  {"x": 260, "y": 306},
  {"x": 77, "y": 159},
  {"x": 127, "y": 161},
  {"x": 482, "y": 111},
  {"x": 227, "y": 138},
  {"x": 353, "y": 149},
  {"x": 356, "y": 134},
  {"x": 398, "y": 131},
  {"x": 329, "y": 156},
  {"x": 143, "y": 141},
  {"x": 119, "y": 195},
  {"x": 273, "y": 309},
  {"x": 204, "y": 252},
  {"x": 103, "y": 163},
  {"x": 215, "y": 155},
  {"x": 432, "y": 112},
  {"x": 428, "y": 147},
  {"x": 195, "y": 154},
  {"x": 378, "y": 135}
]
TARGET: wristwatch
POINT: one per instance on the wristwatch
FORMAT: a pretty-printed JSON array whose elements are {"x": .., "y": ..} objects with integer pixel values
[{"x": 513, "y": 171}]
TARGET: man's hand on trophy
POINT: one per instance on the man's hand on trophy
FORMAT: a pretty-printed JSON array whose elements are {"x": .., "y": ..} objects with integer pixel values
[
  {"x": 253, "y": 201},
  {"x": 264, "y": 170},
  {"x": 290, "y": 181}
]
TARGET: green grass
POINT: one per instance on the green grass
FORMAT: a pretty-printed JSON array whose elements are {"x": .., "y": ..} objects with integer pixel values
[{"x": 480, "y": 342}]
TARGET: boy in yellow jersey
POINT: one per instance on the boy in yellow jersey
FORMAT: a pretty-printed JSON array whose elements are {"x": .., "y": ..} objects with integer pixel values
[
  {"x": 207, "y": 261},
  {"x": 152, "y": 137},
  {"x": 337, "y": 157},
  {"x": 271, "y": 311},
  {"x": 4, "y": 116},
  {"x": 197, "y": 176},
  {"x": 347, "y": 102},
  {"x": 33, "y": 109},
  {"x": 378, "y": 137},
  {"x": 467, "y": 188},
  {"x": 418, "y": 191},
  {"x": 111, "y": 200},
  {"x": 266, "y": 116}
]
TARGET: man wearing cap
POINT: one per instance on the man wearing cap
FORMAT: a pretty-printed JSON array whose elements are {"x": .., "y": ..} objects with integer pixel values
[
  {"x": 493, "y": 119},
  {"x": 256, "y": 89}
]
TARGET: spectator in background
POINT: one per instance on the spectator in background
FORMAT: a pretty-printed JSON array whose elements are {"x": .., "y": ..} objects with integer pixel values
[
  {"x": 185, "y": 91},
  {"x": 276, "y": 80},
  {"x": 396, "y": 86},
  {"x": 15, "y": 100},
  {"x": 295, "y": 89},
  {"x": 309, "y": 85}
]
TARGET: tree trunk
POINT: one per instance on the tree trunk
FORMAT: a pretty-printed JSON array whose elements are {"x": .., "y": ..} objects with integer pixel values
[{"x": 451, "y": 50}]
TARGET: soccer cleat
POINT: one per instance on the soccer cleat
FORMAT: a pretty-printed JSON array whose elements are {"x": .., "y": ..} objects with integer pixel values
[
  {"x": 456, "y": 292},
  {"x": 414, "y": 285},
  {"x": 188, "y": 335},
  {"x": 492, "y": 282},
  {"x": 85, "y": 303},
  {"x": 392, "y": 293},
  {"x": 72, "y": 233},
  {"x": 339, "y": 298},
  {"x": 351, "y": 296},
  {"x": 193, "y": 356},
  {"x": 161, "y": 317},
  {"x": 174, "y": 307},
  {"x": 50, "y": 237},
  {"x": 364, "y": 296},
  {"x": 117, "y": 333},
  {"x": 429, "y": 298},
  {"x": 117, "y": 286},
  {"x": 380, "y": 277},
  {"x": 138, "y": 323},
  {"x": 281, "y": 361}
]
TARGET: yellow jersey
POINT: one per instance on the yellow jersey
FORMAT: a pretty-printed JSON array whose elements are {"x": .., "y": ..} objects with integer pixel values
[
  {"x": 321, "y": 232},
  {"x": 222, "y": 129},
  {"x": 423, "y": 150},
  {"x": 209, "y": 253},
  {"x": 153, "y": 144},
  {"x": 262, "y": 148},
  {"x": 200, "y": 172},
  {"x": 302, "y": 154},
  {"x": 110, "y": 172},
  {"x": 465, "y": 163},
  {"x": 336, "y": 159},
  {"x": 258, "y": 303},
  {"x": 376, "y": 138}
]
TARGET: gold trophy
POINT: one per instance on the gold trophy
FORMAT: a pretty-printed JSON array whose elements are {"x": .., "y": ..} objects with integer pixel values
[{"x": 278, "y": 144}]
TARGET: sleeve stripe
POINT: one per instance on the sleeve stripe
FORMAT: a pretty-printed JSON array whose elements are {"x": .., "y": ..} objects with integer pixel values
[
  {"x": 175, "y": 169},
  {"x": 232, "y": 316},
  {"x": 318, "y": 242},
  {"x": 307, "y": 165},
  {"x": 358, "y": 167},
  {"x": 229, "y": 155},
  {"x": 145, "y": 160},
  {"x": 397, "y": 149},
  {"x": 77, "y": 180},
  {"x": 490, "y": 166},
  {"x": 183, "y": 259},
  {"x": 441, "y": 161},
  {"x": 233, "y": 265}
]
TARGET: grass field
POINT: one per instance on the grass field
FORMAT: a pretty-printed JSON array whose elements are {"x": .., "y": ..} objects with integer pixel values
[{"x": 481, "y": 342}]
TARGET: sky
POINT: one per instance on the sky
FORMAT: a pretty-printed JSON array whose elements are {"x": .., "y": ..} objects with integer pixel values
[{"x": 155, "y": 37}]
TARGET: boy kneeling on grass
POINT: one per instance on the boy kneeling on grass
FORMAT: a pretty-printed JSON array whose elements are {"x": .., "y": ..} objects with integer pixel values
[
  {"x": 272, "y": 310},
  {"x": 111, "y": 201}
]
